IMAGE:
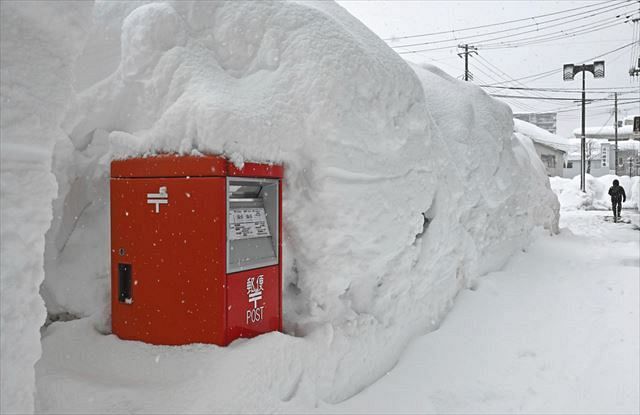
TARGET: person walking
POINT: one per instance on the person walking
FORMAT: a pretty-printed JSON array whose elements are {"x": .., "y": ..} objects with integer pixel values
[{"x": 617, "y": 197}]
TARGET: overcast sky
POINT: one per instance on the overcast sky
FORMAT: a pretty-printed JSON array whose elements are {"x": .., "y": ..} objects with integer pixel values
[{"x": 395, "y": 19}]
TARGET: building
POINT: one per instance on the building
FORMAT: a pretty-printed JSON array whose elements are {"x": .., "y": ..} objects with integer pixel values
[
  {"x": 600, "y": 150},
  {"x": 551, "y": 148},
  {"x": 544, "y": 120},
  {"x": 601, "y": 160},
  {"x": 552, "y": 158}
]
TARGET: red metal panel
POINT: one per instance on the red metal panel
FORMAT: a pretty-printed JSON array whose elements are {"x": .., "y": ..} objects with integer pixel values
[
  {"x": 170, "y": 166},
  {"x": 280, "y": 182},
  {"x": 177, "y": 258},
  {"x": 172, "y": 243},
  {"x": 254, "y": 302},
  {"x": 256, "y": 170}
]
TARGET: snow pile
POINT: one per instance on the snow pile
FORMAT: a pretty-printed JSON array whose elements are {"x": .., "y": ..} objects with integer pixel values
[
  {"x": 540, "y": 135},
  {"x": 596, "y": 196},
  {"x": 39, "y": 42},
  {"x": 403, "y": 186}
]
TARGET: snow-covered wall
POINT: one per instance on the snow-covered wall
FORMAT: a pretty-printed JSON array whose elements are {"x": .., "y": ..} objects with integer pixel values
[
  {"x": 403, "y": 185},
  {"x": 38, "y": 44}
]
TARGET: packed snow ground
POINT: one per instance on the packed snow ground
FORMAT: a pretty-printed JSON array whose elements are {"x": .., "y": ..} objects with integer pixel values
[{"x": 557, "y": 330}]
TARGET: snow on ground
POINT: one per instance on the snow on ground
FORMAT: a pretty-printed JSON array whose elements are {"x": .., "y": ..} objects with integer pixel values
[
  {"x": 596, "y": 196},
  {"x": 557, "y": 330}
]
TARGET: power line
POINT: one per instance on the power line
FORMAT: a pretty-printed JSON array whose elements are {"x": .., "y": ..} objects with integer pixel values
[
  {"x": 600, "y": 105},
  {"x": 538, "y": 27},
  {"x": 522, "y": 105},
  {"x": 556, "y": 98},
  {"x": 554, "y": 71},
  {"x": 489, "y": 65},
  {"x": 533, "y": 18},
  {"x": 560, "y": 35},
  {"x": 531, "y": 41},
  {"x": 569, "y": 90}
]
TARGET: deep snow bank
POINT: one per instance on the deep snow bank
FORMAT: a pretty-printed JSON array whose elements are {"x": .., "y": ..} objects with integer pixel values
[
  {"x": 596, "y": 196},
  {"x": 403, "y": 185},
  {"x": 38, "y": 43}
]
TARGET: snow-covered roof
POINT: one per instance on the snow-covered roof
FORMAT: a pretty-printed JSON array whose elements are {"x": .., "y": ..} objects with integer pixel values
[
  {"x": 605, "y": 132},
  {"x": 540, "y": 136}
]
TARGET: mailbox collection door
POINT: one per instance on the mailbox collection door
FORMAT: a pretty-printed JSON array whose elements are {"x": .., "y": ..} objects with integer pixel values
[
  {"x": 254, "y": 302},
  {"x": 168, "y": 259}
]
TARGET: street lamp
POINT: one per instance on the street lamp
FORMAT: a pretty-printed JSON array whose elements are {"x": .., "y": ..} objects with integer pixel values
[{"x": 569, "y": 71}]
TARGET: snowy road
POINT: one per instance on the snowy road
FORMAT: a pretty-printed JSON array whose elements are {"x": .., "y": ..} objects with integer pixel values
[{"x": 556, "y": 331}]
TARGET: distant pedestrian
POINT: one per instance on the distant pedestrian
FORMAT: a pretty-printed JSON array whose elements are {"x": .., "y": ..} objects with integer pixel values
[{"x": 617, "y": 197}]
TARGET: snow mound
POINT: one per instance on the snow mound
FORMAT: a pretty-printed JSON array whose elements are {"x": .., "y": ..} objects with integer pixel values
[
  {"x": 403, "y": 186},
  {"x": 596, "y": 196},
  {"x": 38, "y": 43}
]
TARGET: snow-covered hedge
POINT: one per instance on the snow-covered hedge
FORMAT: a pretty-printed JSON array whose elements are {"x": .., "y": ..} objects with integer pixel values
[{"x": 403, "y": 185}]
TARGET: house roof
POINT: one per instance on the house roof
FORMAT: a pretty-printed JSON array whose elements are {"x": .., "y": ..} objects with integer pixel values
[{"x": 540, "y": 136}]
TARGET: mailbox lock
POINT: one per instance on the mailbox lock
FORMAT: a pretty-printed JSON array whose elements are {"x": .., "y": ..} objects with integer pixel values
[{"x": 121, "y": 251}]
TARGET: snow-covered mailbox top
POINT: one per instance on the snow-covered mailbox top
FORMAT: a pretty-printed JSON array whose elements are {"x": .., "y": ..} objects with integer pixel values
[{"x": 195, "y": 249}]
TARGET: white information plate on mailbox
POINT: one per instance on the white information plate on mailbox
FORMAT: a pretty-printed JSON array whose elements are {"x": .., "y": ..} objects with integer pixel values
[{"x": 247, "y": 223}]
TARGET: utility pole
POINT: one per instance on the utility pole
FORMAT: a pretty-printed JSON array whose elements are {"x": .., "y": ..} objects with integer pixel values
[
  {"x": 635, "y": 71},
  {"x": 583, "y": 167},
  {"x": 615, "y": 123},
  {"x": 467, "y": 51}
]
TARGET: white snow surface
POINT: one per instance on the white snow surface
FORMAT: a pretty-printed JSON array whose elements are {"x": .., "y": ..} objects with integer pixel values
[
  {"x": 540, "y": 135},
  {"x": 596, "y": 196},
  {"x": 403, "y": 186},
  {"x": 568, "y": 344},
  {"x": 604, "y": 131},
  {"x": 38, "y": 44}
]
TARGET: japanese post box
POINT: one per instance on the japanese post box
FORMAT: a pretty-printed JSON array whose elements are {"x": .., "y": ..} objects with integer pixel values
[{"x": 195, "y": 249}]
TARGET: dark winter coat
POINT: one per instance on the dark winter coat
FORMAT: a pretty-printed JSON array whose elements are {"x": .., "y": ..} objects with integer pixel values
[{"x": 617, "y": 194}]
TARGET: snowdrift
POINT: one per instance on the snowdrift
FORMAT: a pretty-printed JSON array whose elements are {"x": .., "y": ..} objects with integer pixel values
[
  {"x": 403, "y": 186},
  {"x": 596, "y": 196},
  {"x": 38, "y": 44}
]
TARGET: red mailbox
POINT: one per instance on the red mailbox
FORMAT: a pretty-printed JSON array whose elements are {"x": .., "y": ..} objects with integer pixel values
[{"x": 196, "y": 249}]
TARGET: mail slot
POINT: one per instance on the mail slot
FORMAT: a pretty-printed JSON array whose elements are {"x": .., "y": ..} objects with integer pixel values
[{"x": 196, "y": 249}]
